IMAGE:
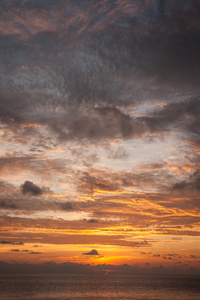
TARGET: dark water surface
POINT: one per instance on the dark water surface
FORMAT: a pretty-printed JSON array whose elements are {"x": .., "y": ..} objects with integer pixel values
[{"x": 98, "y": 287}]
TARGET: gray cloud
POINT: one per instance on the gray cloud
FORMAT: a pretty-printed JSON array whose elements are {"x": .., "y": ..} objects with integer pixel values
[
  {"x": 8, "y": 205},
  {"x": 194, "y": 256},
  {"x": 108, "y": 63},
  {"x": 32, "y": 163},
  {"x": 11, "y": 243},
  {"x": 72, "y": 268},
  {"x": 18, "y": 243},
  {"x": 183, "y": 114},
  {"x": 190, "y": 186},
  {"x": 95, "y": 124},
  {"x": 5, "y": 242},
  {"x": 93, "y": 221},
  {"x": 89, "y": 183},
  {"x": 119, "y": 181},
  {"x": 68, "y": 206},
  {"x": 92, "y": 252},
  {"x": 120, "y": 153},
  {"x": 30, "y": 187}
]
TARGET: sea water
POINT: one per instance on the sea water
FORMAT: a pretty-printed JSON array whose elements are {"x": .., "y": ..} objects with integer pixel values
[{"x": 99, "y": 286}]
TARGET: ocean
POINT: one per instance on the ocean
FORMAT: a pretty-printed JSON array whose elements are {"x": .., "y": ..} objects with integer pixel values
[{"x": 98, "y": 286}]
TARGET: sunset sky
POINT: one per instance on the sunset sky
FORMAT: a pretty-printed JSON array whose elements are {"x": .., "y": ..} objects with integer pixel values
[{"x": 100, "y": 132}]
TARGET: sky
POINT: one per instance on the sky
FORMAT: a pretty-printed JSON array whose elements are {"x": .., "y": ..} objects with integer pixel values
[{"x": 100, "y": 133}]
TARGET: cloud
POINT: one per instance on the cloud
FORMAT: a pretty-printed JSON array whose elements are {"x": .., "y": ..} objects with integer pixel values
[
  {"x": 182, "y": 114},
  {"x": 89, "y": 183},
  {"x": 191, "y": 186},
  {"x": 93, "y": 221},
  {"x": 96, "y": 124},
  {"x": 68, "y": 206},
  {"x": 11, "y": 198},
  {"x": 6, "y": 205},
  {"x": 5, "y": 242},
  {"x": 30, "y": 187},
  {"x": 37, "y": 164},
  {"x": 120, "y": 153},
  {"x": 86, "y": 90},
  {"x": 194, "y": 256},
  {"x": 92, "y": 252},
  {"x": 173, "y": 254},
  {"x": 109, "y": 181},
  {"x": 18, "y": 243},
  {"x": 165, "y": 257},
  {"x": 11, "y": 243},
  {"x": 108, "y": 74},
  {"x": 27, "y": 251},
  {"x": 72, "y": 268}
]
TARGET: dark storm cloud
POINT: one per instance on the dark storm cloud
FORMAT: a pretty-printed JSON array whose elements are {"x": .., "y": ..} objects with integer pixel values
[
  {"x": 92, "y": 252},
  {"x": 133, "y": 52},
  {"x": 30, "y": 187}
]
